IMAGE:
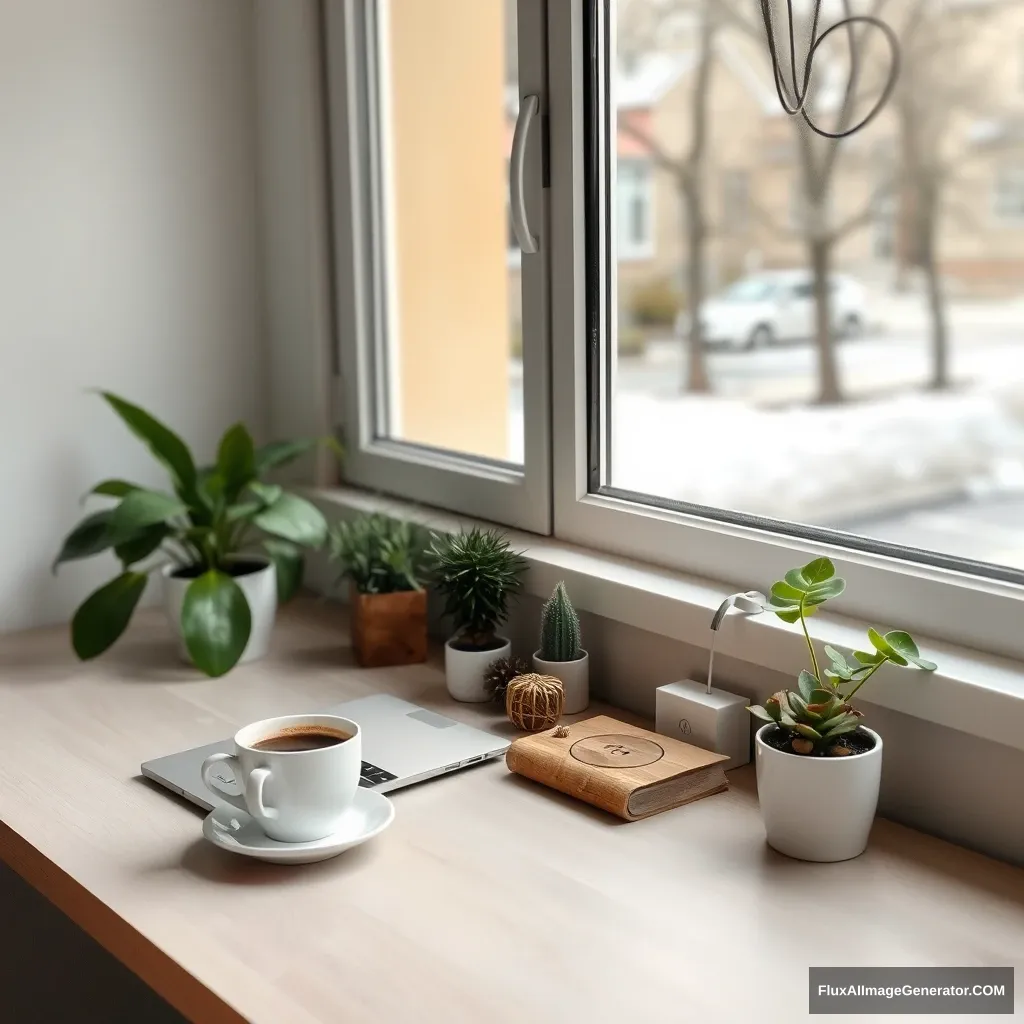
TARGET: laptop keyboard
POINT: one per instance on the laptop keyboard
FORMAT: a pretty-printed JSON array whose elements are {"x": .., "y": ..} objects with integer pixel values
[{"x": 370, "y": 775}]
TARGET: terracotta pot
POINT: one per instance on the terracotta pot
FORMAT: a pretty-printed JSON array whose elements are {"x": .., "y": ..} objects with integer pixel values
[{"x": 389, "y": 629}]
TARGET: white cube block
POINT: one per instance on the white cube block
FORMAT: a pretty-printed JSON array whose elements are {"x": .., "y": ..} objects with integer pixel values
[{"x": 716, "y": 721}]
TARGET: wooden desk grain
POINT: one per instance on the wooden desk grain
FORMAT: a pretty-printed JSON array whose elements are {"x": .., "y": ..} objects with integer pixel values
[{"x": 490, "y": 899}]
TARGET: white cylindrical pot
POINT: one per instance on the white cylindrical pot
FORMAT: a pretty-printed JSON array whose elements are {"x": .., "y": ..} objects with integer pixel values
[
  {"x": 464, "y": 670},
  {"x": 575, "y": 679},
  {"x": 260, "y": 589},
  {"x": 818, "y": 808}
]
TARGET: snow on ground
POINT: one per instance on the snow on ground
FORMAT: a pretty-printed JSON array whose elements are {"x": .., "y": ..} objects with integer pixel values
[{"x": 819, "y": 464}]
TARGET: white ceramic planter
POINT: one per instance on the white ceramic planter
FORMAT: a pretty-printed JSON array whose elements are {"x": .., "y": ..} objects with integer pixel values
[
  {"x": 260, "y": 589},
  {"x": 818, "y": 808},
  {"x": 575, "y": 679},
  {"x": 464, "y": 670}
]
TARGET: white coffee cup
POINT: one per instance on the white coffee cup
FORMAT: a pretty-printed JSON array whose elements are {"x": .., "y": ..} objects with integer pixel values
[{"x": 295, "y": 796}]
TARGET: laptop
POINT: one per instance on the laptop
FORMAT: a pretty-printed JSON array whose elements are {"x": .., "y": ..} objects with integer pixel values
[{"x": 402, "y": 744}]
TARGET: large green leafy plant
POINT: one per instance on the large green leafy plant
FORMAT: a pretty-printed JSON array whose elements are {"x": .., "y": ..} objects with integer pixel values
[
  {"x": 211, "y": 517},
  {"x": 477, "y": 572},
  {"x": 380, "y": 555},
  {"x": 818, "y": 714}
]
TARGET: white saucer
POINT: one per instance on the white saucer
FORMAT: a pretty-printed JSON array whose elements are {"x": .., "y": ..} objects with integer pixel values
[{"x": 237, "y": 832}]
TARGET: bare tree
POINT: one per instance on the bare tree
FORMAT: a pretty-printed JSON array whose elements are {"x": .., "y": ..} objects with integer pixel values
[
  {"x": 929, "y": 102},
  {"x": 689, "y": 173}
]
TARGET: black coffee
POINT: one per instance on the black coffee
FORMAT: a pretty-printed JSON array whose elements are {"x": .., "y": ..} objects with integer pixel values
[{"x": 301, "y": 737}]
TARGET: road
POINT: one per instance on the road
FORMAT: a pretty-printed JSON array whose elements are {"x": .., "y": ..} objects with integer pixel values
[{"x": 880, "y": 363}]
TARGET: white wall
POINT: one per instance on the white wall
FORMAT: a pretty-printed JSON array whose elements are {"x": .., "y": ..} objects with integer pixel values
[{"x": 128, "y": 257}]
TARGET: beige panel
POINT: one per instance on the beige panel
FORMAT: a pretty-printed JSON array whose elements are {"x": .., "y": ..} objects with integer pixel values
[{"x": 447, "y": 139}]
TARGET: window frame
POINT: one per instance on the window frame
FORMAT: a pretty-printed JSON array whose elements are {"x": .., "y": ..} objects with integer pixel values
[
  {"x": 502, "y": 492},
  {"x": 969, "y": 603},
  {"x": 936, "y": 596},
  {"x": 1008, "y": 181}
]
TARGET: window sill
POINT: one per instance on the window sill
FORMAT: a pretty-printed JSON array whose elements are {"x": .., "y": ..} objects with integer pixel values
[{"x": 973, "y": 692}]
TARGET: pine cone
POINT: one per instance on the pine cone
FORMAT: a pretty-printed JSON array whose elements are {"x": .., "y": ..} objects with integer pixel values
[{"x": 501, "y": 672}]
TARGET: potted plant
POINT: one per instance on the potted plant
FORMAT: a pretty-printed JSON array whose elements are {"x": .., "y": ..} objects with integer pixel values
[
  {"x": 476, "y": 571},
  {"x": 227, "y": 544},
  {"x": 818, "y": 765},
  {"x": 560, "y": 654},
  {"x": 380, "y": 557}
]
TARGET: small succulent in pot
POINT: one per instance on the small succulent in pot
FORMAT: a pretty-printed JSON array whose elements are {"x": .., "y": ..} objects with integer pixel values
[
  {"x": 817, "y": 718},
  {"x": 560, "y": 653},
  {"x": 229, "y": 544},
  {"x": 477, "y": 572},
  {"x": 382, "y": 557}
]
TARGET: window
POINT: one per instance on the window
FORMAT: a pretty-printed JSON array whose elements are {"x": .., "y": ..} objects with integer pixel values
[
  {"x": 756, "y": 416},
  {"x": 635, "y": 210},
  {"x": 1008, "y": 193},
  {"x": 445, "y": 385}
]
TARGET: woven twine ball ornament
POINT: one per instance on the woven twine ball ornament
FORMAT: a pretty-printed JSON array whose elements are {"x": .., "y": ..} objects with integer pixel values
[{"x": 534, "y": 702}]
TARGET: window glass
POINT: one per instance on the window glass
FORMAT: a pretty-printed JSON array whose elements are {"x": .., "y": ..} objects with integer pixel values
[
  {"x": 826, "y": 334},
  {"x": 449, "y": 370}
]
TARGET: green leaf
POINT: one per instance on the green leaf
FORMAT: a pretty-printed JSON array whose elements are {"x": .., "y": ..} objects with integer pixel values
[
  {"x": 288, "y": 565},
  {"x": 821, "y": 696},
  {"x": 773, "y": 709},
  {"x": 807, "y": 684},
  {"x": 142, "y": 545},
  {"x": 759, "y": 712},
  {"x": 787, "y": 616},
  {"x": 787, "y": 720},
  {"x": 104, "y": 615},
  {"x": 868, "y": 657},
  {"x": 114, "y": 488},
  {"x": 795, "y": 580},
  {"x": 783, "y": 593},
  {"x": 91, "y": 536},
  {"x": 295, "y": 519},
  {"x": 798, "y": 704},
  {"x": 806, "y": 730},
  {"x": 882, "y": 646},
  {"x": 818, "y": 571},
  {"x": 145, "y": 508},
  {"x": 243, "y": 510},
  {"x": 164, "y": 444},
  {"x": 267, "y": 493},
  {"x": 278, "y": 453},
  {"x": 903, "y": 644},
  {"x": 822, "y": 592},
  {"x": 236, "y": 463},
  {"x": 215, "y": 621}
]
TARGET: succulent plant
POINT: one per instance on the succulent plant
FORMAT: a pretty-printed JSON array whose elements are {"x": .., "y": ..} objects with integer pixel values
[
  {"x": 476, "y": 571},
  {"x": 818, "y": 713},
  {"x": 379, "y": 554},
  {"x": 559, "y": 628}
]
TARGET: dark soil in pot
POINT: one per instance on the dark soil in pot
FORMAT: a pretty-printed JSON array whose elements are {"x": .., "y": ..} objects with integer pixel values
[
  {"x": 858, "y": 742},
  {"x": 243, "y": 567},
  {"x": 494, "y": 645}
]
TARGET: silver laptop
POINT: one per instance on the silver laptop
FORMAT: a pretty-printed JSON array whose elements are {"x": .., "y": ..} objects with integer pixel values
[{"x": 402, "y": 744}]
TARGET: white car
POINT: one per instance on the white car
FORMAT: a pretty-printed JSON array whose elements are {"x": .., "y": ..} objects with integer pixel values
[{"x": 777, "y": 306}]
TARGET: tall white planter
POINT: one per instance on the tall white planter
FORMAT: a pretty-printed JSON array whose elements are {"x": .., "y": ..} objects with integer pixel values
[
  {"x": 260, "y": 589},
  {"x": 817, "y": 808},
  {"x": 575, "y": 679},
  {"x": 464, "y": 670}
]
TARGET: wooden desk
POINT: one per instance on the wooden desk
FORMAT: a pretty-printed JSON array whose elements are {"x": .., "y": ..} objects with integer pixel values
[{"x": 490, "y": 899}]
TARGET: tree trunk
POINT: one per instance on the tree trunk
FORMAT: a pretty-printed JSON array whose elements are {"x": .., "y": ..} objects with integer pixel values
[
  {"x": 696, "y": 379},
  {"x": 936, "y": 305},
  {"x": 828, "y": 374},
  {"x": 692, "y": 185}
]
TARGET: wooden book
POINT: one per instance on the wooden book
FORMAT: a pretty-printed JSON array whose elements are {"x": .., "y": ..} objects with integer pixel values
[{"x": 629, "y": 771}]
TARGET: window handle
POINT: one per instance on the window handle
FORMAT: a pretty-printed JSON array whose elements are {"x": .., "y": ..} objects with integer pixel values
[{"x": 517, "y": 200}]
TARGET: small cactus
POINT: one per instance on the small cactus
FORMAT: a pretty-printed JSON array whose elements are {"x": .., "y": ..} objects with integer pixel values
[{"x": 559, "y": 628}]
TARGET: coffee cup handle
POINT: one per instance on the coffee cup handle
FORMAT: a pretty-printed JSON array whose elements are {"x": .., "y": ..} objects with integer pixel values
[
  {"x": 254, "y": 794},
  {"x": 213, "y": 784}
]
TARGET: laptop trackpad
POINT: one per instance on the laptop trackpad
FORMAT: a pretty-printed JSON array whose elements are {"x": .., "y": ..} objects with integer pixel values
[{"x": 430, "y": 718}]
